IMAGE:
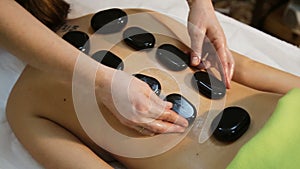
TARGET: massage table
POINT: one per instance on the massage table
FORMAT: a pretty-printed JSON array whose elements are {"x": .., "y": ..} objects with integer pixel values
[{"x": 241, "y": 38}]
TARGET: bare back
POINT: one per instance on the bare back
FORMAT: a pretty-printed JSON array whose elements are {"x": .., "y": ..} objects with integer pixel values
[{"x": 42, "y": 95}]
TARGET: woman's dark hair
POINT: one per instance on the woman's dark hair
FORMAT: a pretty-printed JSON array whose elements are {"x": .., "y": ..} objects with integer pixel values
[{"x": 52, "y": 13}]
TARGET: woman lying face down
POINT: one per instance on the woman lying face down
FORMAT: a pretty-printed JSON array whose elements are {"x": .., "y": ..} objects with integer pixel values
[{"x": 48, "y": 127}]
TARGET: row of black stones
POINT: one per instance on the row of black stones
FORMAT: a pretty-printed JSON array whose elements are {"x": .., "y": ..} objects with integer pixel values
[
  {"x": 138, "y": 39},
  {"x": 169, "y": 55},
  {"x": 232, "y": 122}
]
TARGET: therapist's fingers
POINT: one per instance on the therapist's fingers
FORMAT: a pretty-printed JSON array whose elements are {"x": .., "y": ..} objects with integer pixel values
[
  {"x": 172, "y": 117},
  {"x": 166, "y": 113},
  {"x": 231, "y": 64},
  {"x": 197, "y": 36},
  {"x": 205, "y": 62},
  {"x": 160, "y": 126},
  {"x": 216, "y": 35},
  {"x": 227, "y": 64}
]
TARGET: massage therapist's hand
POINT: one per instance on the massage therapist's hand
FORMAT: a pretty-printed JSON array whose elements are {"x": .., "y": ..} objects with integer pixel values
[
  {"x": 135, "y": 105},
  {"x": 203, "y": 21}
]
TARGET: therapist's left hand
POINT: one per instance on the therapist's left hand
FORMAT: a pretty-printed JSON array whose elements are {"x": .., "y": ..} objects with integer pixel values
[{"x": 203, "y": 21}]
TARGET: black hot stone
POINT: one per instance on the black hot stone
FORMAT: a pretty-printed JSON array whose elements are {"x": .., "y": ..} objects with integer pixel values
[
  {"x": 138, "y": 38},
  {"x": 78, "y": 39},
  {"x": 209, "y": 85},
  {"x": 109, "y": 59},
  {"x": 152, "y": 82},
  {"x": 172, "y": 57},
  {"x": 109, "y": 21},
  {"x": 182, "y": 106},
  {"x": 231, "y": 124}
]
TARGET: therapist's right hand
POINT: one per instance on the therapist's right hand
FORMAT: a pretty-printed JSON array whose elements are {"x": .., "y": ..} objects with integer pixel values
[
  {"x": 203, "y": 22},
  {"x": 135, "y": 105}
]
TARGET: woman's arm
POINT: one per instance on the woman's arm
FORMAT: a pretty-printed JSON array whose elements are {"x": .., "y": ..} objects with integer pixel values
[
  {"x": 30, "y": 40},
  {"x": 263, "y": 77}
]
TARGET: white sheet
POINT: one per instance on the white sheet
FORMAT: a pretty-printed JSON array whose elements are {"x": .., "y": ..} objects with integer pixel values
[{"x": 241, "y": 38}]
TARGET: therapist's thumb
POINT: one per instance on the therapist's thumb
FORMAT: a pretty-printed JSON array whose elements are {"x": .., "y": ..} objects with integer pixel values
[{"x": 197, "y": 36}]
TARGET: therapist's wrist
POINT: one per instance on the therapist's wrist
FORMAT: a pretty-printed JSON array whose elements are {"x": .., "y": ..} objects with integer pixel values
[
  {"x": 199, "y": 2},
  {"x": 104, "y": 76}
]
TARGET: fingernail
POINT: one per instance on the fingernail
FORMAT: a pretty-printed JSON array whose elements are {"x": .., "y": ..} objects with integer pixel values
[
  {"x": 195, "y": 60},
  {"x": 169, "y": 105}
]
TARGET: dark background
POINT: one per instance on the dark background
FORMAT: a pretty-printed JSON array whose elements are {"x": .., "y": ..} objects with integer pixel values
[{"x": 265, "y": 15}]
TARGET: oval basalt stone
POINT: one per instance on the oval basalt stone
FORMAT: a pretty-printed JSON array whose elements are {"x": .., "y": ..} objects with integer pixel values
[
  {"x": 109, "y": 21},
  {"x": 109, "y": 59},
  {"x": 182, "y": 106},
  {"x": 172, "y": 57},
  {"x": 151, "y": 81},
  {"x": 208, "y": 85},
  {"x": 138, "y": 38},
  {"x": 78, "y": 39},
  {"x": 231, "y": 124}
]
